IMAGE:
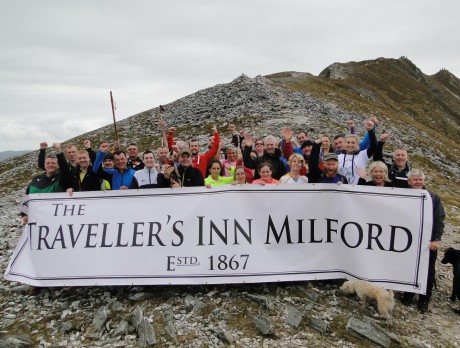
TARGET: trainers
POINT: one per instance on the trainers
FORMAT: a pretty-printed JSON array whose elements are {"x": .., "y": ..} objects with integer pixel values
[{"x": 423, "y": 306}]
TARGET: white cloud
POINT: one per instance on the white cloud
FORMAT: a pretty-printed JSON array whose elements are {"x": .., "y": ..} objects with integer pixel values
[{"x": 60, "y": 59}]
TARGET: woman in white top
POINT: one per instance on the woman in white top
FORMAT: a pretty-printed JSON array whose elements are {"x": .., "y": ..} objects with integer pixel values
[
  {"x": 353, "y": 159},
  {"x": 296, "y": 162}
]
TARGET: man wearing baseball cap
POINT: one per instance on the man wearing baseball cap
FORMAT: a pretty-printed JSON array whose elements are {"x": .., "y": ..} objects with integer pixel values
[
  {"x": 184, "y": 175},
  {"x": 329, "y": 174}
]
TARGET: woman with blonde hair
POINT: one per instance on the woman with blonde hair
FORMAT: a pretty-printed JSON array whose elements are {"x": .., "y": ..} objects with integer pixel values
[
  {"x": 296, "y": 163},
  {"x": 231, "y": 160},
  {"x": 375, "y": 175},
  {"x": 326, "y": 146}
]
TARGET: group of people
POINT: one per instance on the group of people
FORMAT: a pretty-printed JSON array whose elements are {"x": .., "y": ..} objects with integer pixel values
[{"x": 295, "y": 159}]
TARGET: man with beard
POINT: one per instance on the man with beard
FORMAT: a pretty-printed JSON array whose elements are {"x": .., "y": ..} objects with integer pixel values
[
  {"x": 329, "y": 174},
  {"x": 200, "y": 161}
]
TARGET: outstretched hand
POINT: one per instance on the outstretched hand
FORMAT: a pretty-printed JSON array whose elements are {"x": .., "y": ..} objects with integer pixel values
[
  {"x": 369, "y": 125},
  {"x": 56, "y": 147},
  {"x": 104, "y": 147},
  {"x": 288, "y": 134},
  {"x": 374, "y": 120},
  {"x": 248, "y": 140}
]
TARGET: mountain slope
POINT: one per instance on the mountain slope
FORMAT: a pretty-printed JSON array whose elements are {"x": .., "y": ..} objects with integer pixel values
[{"x": 420, "y": 112}]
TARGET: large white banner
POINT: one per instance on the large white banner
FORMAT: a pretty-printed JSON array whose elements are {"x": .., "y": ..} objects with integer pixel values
[{"x": 234, "y": 234}]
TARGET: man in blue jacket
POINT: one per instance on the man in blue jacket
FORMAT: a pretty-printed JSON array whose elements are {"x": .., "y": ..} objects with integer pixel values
[{"x": 121, "y": 177}]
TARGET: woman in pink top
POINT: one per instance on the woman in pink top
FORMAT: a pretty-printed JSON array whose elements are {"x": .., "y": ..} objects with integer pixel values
[
  {"x": 265, "y": 172},
  {"x": 231, "y": 161}
]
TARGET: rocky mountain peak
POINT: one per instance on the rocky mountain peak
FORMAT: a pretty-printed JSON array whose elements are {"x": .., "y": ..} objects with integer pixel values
[{"x": 337, "y": 71}]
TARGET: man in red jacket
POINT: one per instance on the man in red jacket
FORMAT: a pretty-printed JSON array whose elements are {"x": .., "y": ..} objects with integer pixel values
[{"x": 200, "y": 161}]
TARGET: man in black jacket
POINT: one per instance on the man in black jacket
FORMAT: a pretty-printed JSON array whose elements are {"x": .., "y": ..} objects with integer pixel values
[
  {"x": 134, "y": 161},
  {"x": 81, "y": 177},
  {"x": 399, "y": 169},
  {"x": 70, "y": 153},
  {"x": 183, "y": 175},
  {"x": 271, "y": 154},
  {"x": 416, "y": 180},
  {"x": 330, "y": 172}
]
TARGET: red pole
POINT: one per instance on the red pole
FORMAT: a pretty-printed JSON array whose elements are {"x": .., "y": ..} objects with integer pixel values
[{"x": 114, "y": 121}]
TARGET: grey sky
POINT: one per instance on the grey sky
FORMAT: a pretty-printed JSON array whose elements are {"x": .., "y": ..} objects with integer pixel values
[{"x": 59, "y": 59}]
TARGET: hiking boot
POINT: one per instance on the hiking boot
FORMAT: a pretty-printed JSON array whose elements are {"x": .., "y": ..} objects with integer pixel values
[
  {"x": 423, "y": 306},
  {"x": 407, "y": 299}
]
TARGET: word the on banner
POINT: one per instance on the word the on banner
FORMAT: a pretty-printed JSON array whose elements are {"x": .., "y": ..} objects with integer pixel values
[{"x": 234, "y": 234}]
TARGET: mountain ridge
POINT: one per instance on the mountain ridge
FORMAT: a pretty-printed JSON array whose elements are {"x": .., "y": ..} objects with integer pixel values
[
  {"x": 420, "y": 112},
  {"x": 11, "y": 153}
]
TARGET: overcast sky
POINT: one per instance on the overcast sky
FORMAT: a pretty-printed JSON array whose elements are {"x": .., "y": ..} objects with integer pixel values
[{"x": 60, "y": 59}]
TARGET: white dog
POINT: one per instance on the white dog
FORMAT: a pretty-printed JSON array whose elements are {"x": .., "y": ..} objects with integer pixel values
[{"x": 368, "y": 292}]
